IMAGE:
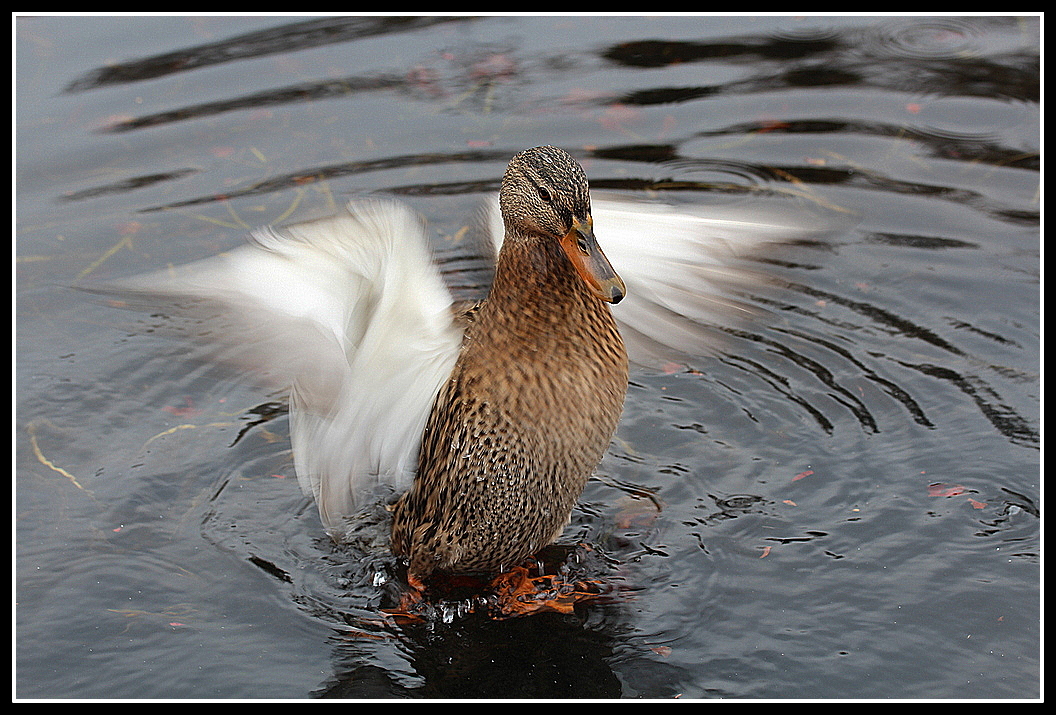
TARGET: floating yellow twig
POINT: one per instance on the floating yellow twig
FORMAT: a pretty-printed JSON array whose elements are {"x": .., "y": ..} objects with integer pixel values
[
  {"x": 231, "y": 210},
  {"x": 125, "y": 242},
  {"x": 32, "y": 429},
  {"x": 297, "y": 197},
  {"x": 216, "y": 221},
  {"x": 177, "y": 428}
]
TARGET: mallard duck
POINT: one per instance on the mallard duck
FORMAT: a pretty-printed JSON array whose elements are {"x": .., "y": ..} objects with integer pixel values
[
  {"x": 488, "y": 418},
  {"x": 536, "y": 390}
]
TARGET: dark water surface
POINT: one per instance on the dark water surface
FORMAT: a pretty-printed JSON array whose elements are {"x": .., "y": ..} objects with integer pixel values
[{"x": 843, "y": 502}]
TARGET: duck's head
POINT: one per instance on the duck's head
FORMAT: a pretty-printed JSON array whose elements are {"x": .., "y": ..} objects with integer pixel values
[{"x": 545, "y": 194}]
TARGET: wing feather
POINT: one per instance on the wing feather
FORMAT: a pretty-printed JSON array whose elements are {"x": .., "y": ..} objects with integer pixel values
[{"x": 351, "y": 312}]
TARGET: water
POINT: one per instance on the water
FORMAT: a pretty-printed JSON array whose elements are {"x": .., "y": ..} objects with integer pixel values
[{"x": 770, "y": 519}]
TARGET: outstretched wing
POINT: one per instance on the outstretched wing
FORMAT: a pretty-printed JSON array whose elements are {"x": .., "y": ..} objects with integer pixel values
[
  {"x": 685, "y": 266},
  {"x": 352, "y": 313}
]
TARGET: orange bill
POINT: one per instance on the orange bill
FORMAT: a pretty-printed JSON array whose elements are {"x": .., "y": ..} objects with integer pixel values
[{"x": 591, "y": 264}]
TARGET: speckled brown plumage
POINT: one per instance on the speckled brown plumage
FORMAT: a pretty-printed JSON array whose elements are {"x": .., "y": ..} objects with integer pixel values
[{"x": 534, "y": 396}]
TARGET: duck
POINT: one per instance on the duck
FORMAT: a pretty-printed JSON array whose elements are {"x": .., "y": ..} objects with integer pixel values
[
  {"x": 486, "y": 417},
  {"x": 535, "y": 393}
]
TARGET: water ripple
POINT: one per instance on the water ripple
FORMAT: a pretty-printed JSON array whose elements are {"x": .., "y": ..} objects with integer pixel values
[{"x": 930, "y": 38}]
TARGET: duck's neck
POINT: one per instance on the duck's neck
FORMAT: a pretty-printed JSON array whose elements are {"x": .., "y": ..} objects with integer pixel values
[
  {"x": 534, "y": 276},
  {"x": 541, "y": 312}
]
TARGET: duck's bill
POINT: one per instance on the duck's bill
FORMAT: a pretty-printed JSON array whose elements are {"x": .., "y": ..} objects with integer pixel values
[{"x": 591, "y": 264}]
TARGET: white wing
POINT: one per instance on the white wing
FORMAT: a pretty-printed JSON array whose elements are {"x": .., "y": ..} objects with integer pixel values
[
  {"x": 352, "y": 313},
  {"x": 684, "y": 266}
]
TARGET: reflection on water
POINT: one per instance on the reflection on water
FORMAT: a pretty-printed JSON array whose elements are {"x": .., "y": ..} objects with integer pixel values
[
  {"x": 769, "y": 514},
  {"x": 287, "y": 37}
]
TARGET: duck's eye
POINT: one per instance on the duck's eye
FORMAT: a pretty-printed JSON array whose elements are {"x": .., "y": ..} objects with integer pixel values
[{"x": 544, "y": 193}]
